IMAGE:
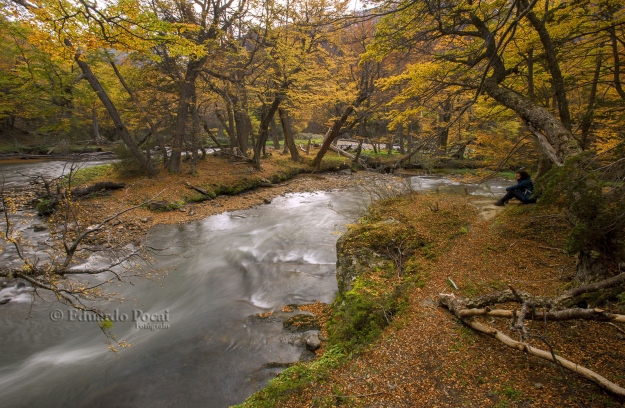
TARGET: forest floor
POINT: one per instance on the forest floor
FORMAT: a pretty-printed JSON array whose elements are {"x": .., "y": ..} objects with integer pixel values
[{"x": 426, "y": 357}]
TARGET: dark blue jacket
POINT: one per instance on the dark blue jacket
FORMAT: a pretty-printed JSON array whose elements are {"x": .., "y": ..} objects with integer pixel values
[{"x": 525, "y": 188}]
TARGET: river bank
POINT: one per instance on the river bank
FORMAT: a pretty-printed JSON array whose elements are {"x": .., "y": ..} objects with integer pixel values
[
  {"x": 414, "y": 353},
  {"x": 231, "y": 185},
  {"x": 391, "y": 344}
]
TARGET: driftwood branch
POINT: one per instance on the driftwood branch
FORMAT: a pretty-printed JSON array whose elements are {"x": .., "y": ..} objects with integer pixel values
[
  {"x": 561, "y": 302},
  {"x": 458, "y": 307},
  {"x": 593, "y": 287},
  {"x": 545, "y": 355},
  {"x": 559, "y": 315},
  {"x": 506, "y": 296}
]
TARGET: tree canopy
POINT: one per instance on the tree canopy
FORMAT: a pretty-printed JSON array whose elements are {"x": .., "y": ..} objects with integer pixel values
[{"x": 442, "y": 75}]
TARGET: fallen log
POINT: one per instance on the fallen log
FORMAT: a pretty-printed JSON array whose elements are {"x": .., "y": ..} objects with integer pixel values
[
  {"x": 506, "y": 296},
  {"x": 458, "y": 307},
  {"x": 593, "y": 287},
  {"x": 97, "y": 188},
  {"x": 461, "y": 311},
  {"x": 545, "y": 355},
  {"x": 348, "y": 155},
  {"x": 199, "y": 190}
]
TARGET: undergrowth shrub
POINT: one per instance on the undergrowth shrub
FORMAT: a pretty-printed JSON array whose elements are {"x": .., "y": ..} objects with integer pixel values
[
  {"x": 46, "y": 206},
  {"x": 590, "y": 193},
  {"x": 128, "y": 164}
]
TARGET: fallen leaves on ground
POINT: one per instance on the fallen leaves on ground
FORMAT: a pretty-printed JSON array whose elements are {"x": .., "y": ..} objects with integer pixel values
[{"x": 427, "y": 358}]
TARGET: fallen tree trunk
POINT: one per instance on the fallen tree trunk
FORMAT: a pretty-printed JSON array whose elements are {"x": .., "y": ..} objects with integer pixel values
[
  {"x": 564, "y": 301},
  {"x": 545, "y": 355},
  {"x": 459, "y": 308},
  {"x": 593, "y": 287},
  {"x": 97, "y": 188},
  {"x": 348, "y": 155},
  {"x": 199, "y": 190},
  {"x": 461, "y": 311}
]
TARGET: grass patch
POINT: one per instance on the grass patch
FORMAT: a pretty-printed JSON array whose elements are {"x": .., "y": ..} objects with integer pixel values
[
  {"x": 295, "y": 378},
  {"x": 331, "y": 162},
  {"x": 88, "y": 174}
]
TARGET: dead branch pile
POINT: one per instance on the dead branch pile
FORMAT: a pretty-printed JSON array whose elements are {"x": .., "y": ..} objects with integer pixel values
[{"x": 536, "y": 308}]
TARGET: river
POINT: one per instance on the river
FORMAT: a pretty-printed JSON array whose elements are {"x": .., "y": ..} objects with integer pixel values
[{"x": 204, "y": 348}]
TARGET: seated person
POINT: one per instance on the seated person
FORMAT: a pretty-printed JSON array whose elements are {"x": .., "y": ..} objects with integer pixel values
[{"x": 521, "y": 191}]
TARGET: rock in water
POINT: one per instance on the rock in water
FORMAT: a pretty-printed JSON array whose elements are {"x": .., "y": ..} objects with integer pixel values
[{"x": 313, "y": 342}]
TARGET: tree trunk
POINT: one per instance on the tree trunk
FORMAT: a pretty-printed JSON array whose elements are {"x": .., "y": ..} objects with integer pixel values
[
  {"x": 228, "y": 125},
  {"x": 358, "y": 151},
  {"x": 590, "y": 266},
  {"x": 409, "y": 137},
  {"x": 288, "y": 135},
  {"x": 96, "y": 128},
  {"x": 531, "y": 93},
  {"x": 263, "y": 132},
  {"x": 148, "y": 119},
  {"x": 585, "y": 140},
  {"x": 400, "y": 134},
  {"x": 555, "y": 135},
  {"x": 443, "y": 127},
  {"x": 544, "y": 163},
  {"x": 231, "y": 132},
  {"x": 243, "y": 128},
  {"x": 273, "y": 130},
  {"x": 443, "y": 137},
  {"x": 617, "y": 63},
  {"x": 334, "y": 130},
  {"x": 552, "y": 64},
  {"x": 180, "y": 129},
  {"x": 120, "y": 127}
]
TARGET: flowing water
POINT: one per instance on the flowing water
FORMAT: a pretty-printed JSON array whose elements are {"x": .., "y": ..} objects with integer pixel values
[
  {"x": 203, "y": 348},
  {"x": 16, "y": 174},
  {"x": 221, "y": 270}
]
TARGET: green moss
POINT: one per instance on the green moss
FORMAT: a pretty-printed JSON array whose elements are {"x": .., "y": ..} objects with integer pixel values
[
  {"x": 176, "y": 205},
  {"x": 164, "y": 206},
  {"x": 295, "y": 378},
  {"x": 234, "y": 189},
  {"x": 85, "y": 175},
  {"x": 333, "y": 162},
  {"x": 361, "y": 314},
  {"x": 46, "y": 206},
  {"x": 199, "y": 197}
]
